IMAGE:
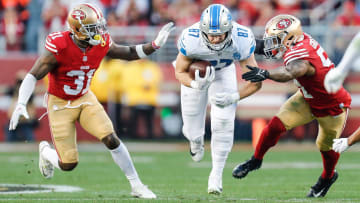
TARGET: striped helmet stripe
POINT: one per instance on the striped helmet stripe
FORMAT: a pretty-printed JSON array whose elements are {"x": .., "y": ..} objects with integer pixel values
[
  {"x": 214, "y": 17},
  {"x": 99, "y": 15}
]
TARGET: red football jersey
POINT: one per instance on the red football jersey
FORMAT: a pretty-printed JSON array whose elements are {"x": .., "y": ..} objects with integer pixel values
[
  {"x": 312, "y": 87},
  {"x": 72, "y": 78}
]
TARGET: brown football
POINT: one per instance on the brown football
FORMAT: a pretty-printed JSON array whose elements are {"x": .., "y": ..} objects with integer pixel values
[{"x": 198, "y": 65}]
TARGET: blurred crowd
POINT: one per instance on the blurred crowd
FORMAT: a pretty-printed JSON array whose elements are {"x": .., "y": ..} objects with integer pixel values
[{"x": 21, "y": 21}]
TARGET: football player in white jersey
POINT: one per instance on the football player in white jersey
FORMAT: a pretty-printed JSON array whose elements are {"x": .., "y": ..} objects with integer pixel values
[
  {"x": 220, "y": 41},
  {"x": 333, "y": 82}
]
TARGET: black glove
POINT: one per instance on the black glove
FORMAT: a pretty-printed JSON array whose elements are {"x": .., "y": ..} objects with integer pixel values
[{"x": 255, "y": 74}]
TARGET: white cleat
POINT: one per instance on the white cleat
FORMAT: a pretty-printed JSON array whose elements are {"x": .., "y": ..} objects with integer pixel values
[
  {"x": 142, "y": 191},
  {"x": 197, "y": 149},
  {"x": 215, "y": 185},
  {"x": 46, "y": 168}
]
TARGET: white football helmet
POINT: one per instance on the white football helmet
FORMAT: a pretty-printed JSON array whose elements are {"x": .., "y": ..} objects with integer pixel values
[
  {"x": 216, "y": 20},
  {"x": 87, "y": 22}
]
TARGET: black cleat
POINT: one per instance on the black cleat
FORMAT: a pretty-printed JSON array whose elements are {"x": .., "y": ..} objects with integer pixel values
[
  {"x": 241, "y": 170},
  {"x": 322, "y": 186}
]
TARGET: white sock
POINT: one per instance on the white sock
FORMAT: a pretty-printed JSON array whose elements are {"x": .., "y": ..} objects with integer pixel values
[
  {"x": 122, "y": 158},
  {"x": 51, "y": 155}
]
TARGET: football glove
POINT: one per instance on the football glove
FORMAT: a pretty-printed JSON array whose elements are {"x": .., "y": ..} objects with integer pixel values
[
  {"x": 255, "y": 74},
  {"x": 340, "y": 145},
  {"x": 161, "y": 38},
  {"x": 223, "y": 99},
  {"x": 20, "y": 110},
  {"x": 202, "y": 83},
  {"x": 334, "y": 80}
]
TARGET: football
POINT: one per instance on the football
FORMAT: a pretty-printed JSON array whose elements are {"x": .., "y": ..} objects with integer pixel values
[{"x": 198, "y": 65}]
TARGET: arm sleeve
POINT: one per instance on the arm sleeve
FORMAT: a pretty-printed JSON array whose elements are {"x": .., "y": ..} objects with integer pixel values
[
  {"x": 26, "y": 89},
  {"x": 350, "y": 54},
  {"x": 259, "y": 49}
]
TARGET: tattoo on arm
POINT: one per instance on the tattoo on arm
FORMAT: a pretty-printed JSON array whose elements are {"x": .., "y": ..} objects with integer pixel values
[
  {"x": 43, "y": 65},
  {"x": 129, "y": 53},
  {"x": 293, "y": 70}
]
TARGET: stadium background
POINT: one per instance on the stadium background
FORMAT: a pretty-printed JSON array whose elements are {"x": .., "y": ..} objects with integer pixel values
[{"x": 24, "y": 24}]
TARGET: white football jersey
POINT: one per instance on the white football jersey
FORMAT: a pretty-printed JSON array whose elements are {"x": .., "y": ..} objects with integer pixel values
[{"x": 243, "y": 45}]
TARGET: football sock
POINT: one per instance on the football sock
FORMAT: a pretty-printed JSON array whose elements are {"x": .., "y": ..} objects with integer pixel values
[
  {"x": 122, "y": 158},
  {"x": 221, "y": 144},
  {"x": 269, "y": 137},
  {"x": 51, "y": 155},
  {"x": 330, "y": 159}
]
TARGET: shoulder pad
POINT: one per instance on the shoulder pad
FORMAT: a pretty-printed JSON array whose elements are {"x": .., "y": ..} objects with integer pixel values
[
  {"x": 55, "y": 42},
  {"x": 244, "y": 40},
  {"x": 189, "y": 40}
]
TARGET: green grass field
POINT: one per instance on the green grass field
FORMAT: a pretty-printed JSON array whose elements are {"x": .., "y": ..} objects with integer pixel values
[{"x": 286, "y": 176}]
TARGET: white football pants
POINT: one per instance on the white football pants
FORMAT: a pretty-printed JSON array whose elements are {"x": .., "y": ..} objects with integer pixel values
[{"x": 193, "y": 108}]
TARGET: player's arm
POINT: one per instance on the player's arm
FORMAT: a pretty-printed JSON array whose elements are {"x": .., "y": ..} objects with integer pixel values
[
  {"x": 250, "y": 87},
  {"x": 259, "y": 49},
  {"x": 224, "y": 99},
  {"x": 293, "y": 70},
  {"x": 182, "y": 64},
  {"x": 43, "y": 65},
  {"x": 336, "y": 76},
  {"x": 182, "y": 69},
  {"x": 342, "y": 144},
  {"x": 142, "y": 50}
]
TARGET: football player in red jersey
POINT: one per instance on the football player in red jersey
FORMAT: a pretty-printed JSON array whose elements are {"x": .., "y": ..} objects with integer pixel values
[
  {"x": 306, "y": 63},
  {"x": 71, "y": 59}
]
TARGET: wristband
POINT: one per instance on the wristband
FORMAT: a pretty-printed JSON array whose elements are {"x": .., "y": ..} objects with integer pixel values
[
  {"x": 154, "y": 45},
  {"x": 140, "y": 51}
]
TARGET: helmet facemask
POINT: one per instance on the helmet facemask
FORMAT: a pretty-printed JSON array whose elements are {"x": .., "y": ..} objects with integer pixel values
[
  {"x": 93, "y": 32},
  {"x": 273, "y": 45},
  {"x": 219, "y": 46}
]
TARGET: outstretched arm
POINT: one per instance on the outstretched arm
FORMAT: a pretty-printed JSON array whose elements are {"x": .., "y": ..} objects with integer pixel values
[
  {"x": 336, "y": 76},
  {"x": 43, "y": 65},
  {"x": 342, "y": 144},
  {"x": 142, "y": 50},
  {"x": 293, "y": 70}
]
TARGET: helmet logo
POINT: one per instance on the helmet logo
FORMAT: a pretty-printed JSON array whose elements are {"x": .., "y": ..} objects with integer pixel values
[
  {"x": 78, "y": 14},
  {"x": 283, "y": 24}
]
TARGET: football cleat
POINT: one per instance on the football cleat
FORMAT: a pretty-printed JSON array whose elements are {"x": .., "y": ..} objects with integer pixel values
[
  {"x": 241, "y": 170},
  {"x": 46, "y": 168},
  {"x": 322, "y": 186},
  {"x": 197, "y": 149},
  {"x": 215, "y": 185},
  {"x": 142, "y": 191}
]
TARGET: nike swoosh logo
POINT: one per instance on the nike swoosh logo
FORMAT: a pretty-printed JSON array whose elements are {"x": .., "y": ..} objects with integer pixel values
[{"x": 319, "y": 193}]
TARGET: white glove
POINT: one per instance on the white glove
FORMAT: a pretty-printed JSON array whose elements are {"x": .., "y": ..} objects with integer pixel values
[
  {"x": 340, "y": 145},
  {"x": 334, "y": 80},
  {"x": 202, "y": 83},
  {"x": 20, "y": 110},
  {"x": 163, "y": 35},
  {"x": 224, "y": 99}
]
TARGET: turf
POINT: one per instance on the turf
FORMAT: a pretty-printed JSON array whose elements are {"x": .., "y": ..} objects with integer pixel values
[{"x": 286, "y": 176}]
